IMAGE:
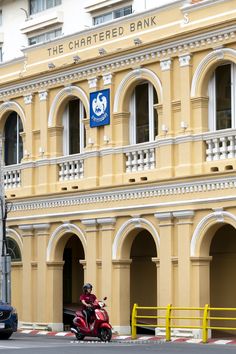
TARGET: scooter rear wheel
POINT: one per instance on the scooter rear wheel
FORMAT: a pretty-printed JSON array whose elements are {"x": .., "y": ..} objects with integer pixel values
[
  {"x": 79, "y": 336},
  {"x": 105, "y": 334}
]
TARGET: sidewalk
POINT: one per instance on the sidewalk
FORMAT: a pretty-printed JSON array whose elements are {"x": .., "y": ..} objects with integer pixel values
[{"x": 128, "y": 339}]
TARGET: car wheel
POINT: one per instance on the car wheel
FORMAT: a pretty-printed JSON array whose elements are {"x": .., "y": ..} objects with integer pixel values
[
  {"x": 5, "y": 335},
  {"x": 105, "y": 334},
  {"x": 79, "y": 336}
]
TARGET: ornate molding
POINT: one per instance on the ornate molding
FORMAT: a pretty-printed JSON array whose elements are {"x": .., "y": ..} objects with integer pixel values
[
  {"x": 184, "y": 60},
  {"x": 107, "y": 79},
  {"x": 198, "y": 187},
  {"x": 166, "y": 64},
  {"x": 124, "y": 61},
  {"x": 28, "y": 99},
  {"x": 93, "y": 83},
  {"x": 43, "y": 95}
]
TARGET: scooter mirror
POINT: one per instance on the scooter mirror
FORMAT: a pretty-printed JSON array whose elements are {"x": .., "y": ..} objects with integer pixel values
[{"x": 104, "y": 298}]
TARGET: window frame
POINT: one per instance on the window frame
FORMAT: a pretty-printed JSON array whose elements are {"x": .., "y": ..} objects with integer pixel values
[
  {"x": 151, "y": 115},
  {"x": 44, "y": 34},
  {"x": 66, "y": 130},
  {"x": 18, "y": 140},
  {"x": 212, "y": 123},
  {"x": 44, "y": 5},
  {"x": 102, "y": 15}
]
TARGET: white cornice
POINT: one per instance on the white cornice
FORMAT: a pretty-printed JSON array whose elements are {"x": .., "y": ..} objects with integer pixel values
[
  {"x": 120, "y": 62},
  {"x": 182, "y": 189}
]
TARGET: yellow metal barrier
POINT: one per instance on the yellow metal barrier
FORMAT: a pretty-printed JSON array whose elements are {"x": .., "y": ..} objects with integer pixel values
[{"x": 168, "y": 318}]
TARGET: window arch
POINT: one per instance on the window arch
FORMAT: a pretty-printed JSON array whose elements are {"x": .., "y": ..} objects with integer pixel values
[
  {"x": 222, "y": 93},
  {"x": 144, "y": 118},
  {"x": 13, "y": 250},
  {"x": 74, "y": 130},
  {"x": 13, "y": 144}
]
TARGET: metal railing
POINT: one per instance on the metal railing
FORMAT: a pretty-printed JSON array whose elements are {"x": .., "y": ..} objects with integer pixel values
[{"x": 168, "y": 320}]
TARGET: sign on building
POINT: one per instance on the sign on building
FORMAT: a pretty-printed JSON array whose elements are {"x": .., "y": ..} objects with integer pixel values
[{"x": 99, "y": 108}]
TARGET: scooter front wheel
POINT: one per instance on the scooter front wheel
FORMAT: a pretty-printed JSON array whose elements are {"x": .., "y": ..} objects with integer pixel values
[
  {"x": 79, "y": 336},
  {"x": 105, "y": 334}
]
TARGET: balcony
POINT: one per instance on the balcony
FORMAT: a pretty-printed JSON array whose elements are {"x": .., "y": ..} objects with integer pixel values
[
  {"x": 12, "y": 176},
  {"x": 221, "y": 145},
  {"x": 140, "y": 157},
  {"x": 70, "y": 168}
]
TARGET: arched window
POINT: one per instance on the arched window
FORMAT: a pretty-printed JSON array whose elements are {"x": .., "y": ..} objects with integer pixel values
[
  {"x": 13, "y": 146},
  {"x": 74, "y": 131},
  {"x": 13, "y": 250},
  {"x": 144, "y": 118},
  {"x": 222, "y": 90}
]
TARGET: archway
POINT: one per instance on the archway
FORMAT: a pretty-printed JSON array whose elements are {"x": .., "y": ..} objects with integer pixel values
[
  {"x": 73, "y": 278},
  {"x": 143, "y": 274},
  {"x": 222, "y": 269}
]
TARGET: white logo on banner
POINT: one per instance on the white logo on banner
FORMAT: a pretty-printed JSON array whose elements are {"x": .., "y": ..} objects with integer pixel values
[{"x": 99, "y": 104}]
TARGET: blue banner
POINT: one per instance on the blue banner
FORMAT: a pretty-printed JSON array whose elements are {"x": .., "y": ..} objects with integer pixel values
[{"x": 99, "y": 108}]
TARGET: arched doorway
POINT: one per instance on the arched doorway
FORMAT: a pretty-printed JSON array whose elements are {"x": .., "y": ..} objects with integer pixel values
[
  {"x": 222, "y": 269},
  {"x": 143, "y": 274},
  {"x": 73, "y": 278}
]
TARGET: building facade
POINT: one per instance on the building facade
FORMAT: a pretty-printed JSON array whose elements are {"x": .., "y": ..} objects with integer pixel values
[{"x": 142, "y": 207}]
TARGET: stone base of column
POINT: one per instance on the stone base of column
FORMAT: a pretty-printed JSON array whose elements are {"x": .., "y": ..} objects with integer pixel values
[
  {"x": 57, "y": 327},
  {"x": 121, "y": 330}
]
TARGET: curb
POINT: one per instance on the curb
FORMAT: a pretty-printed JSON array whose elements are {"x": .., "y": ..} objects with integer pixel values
[{"x": 128, "y": 339}]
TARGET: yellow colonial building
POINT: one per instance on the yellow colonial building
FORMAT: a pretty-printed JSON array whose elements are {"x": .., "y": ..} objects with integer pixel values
[{"x": 143, "y": 205}]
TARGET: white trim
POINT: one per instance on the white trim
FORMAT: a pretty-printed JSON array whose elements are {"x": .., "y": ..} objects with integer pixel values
[
  {"x": 13, "y": 106},
  {"x": 137, "y": 223},
  {"x": 66, "y": 228},
  {"x": 66, "y": 92},
  {"x": 218, "y": 217},
  {"x": 136, "y": 75},
  {"x": 204, "y": 63},
  {"x": 17, "y": 238}
]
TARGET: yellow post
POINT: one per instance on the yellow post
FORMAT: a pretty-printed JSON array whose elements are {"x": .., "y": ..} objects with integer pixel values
[
  {"x": 205, "y": 324},
  {"x": 134, "y": 322},
  {"x": 168, "y": 324}
]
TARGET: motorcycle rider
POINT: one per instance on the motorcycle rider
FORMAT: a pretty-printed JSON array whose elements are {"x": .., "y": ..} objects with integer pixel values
[{"x": 87, "y": 299}]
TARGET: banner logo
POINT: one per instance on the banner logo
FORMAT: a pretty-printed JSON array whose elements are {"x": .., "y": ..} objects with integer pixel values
[{"x": 99, "y": 108}]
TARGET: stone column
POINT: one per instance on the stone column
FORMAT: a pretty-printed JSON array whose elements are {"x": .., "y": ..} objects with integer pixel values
[
  {"x": 41, "y": 238},
  {"x": 165, "y": 152},
  {"x": 107, "y": 232},
  {"x": 120, "y": 316},
  {"x": 200, "y": 280},
  {"x": 92, "y": 249},
  {"x": 43, "y": 111},
  {"x": 184, "y": 226},
  {"x": 29, "y": 114},
  {"x": 185, "y": 87},
  {"x": 54, "y": 293},
  {"x": 166, "y": 267},
  {"x": 28, "y": 299}
]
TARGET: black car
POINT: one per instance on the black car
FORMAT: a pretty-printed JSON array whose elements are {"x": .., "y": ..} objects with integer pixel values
[{"x": 8, "y": 320}]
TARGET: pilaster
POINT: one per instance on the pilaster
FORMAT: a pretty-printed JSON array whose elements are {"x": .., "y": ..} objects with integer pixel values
[
  {"x": 91, "y": 230},
  {"x": 166, "y": 268}
]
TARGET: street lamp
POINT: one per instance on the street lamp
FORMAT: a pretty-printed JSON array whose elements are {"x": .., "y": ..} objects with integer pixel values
[{"x": 5, "y": 257}]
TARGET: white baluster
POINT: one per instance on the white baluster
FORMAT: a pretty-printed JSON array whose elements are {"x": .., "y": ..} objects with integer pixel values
[
  {"x": 223, "y": 148},
  {"x": 216, "y": 149}
]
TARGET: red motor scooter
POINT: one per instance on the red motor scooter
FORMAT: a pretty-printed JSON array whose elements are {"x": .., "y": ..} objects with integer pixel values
[{"x": 99, "y": 325}]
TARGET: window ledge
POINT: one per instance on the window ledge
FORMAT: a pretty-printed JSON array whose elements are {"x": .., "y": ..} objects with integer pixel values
[
  {"x": 1, "y": 37},
  {"x": 42, "y": 22},
  {"x": 95, "y": 5}
]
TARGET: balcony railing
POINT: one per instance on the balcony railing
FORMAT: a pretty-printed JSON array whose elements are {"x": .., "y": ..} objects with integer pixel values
[
  {"x": 140, "y": 158},
  {"x": 221, "y": 145},
  {"x": 12, "y": 178},
  {"x": 71, "y": 168}
]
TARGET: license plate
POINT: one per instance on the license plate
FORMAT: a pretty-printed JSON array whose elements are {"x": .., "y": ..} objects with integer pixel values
[{"x": 2, "y": 325}]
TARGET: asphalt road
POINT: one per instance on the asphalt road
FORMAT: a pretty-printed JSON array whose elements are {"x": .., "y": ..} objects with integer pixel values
[{"x": 26, "y": 344}]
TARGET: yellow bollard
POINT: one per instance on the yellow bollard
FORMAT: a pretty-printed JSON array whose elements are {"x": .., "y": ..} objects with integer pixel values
[
  {"x": 134, "y": 322},
  {"x": 168, "y": 326},
  {"x": 205, "y": 324}
]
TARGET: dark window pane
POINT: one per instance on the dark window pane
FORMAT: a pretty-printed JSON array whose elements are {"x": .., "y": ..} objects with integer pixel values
[
  {"x": 13, "y": 141},
  {"x": 74, "y": 126},
  {"x": 142, "y": 121},
  {"x": 223, "y": 97},
  {"x": 13, "y": 250},
  {"x": 155, "y": 101}
]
